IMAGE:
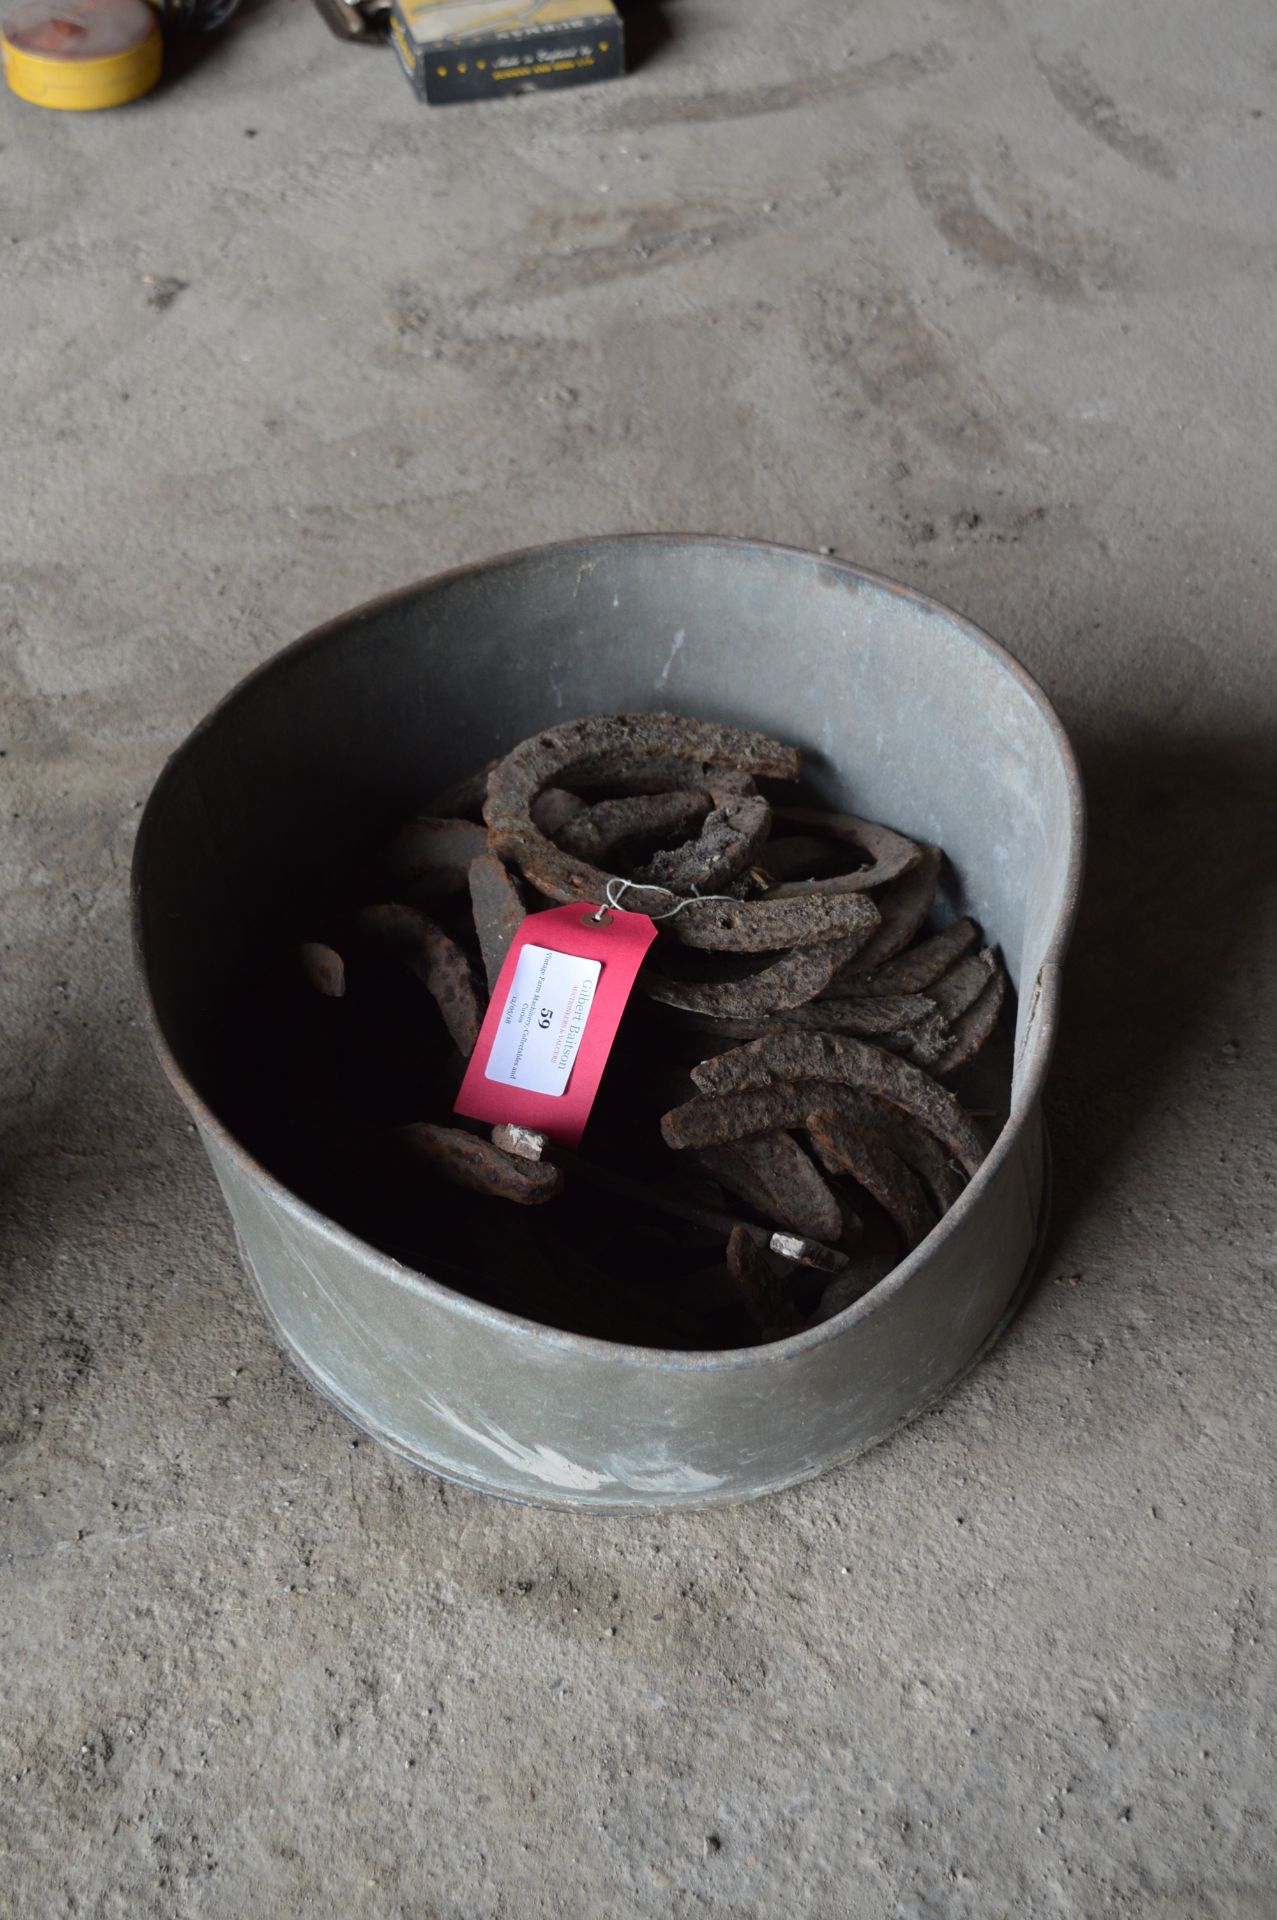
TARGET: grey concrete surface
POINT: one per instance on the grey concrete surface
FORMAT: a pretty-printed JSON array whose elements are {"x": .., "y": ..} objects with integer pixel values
[{"x": 982, "y": 296}]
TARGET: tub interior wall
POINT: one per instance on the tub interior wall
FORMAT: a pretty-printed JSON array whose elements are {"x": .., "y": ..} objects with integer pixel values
[{"x": 903, "y": 717}]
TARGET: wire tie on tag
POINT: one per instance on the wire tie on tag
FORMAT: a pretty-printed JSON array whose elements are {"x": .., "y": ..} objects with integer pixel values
[{"x": 641, "y": 886}]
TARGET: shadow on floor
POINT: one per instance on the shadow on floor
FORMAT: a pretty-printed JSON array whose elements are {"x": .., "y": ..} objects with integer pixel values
[
  {"x": 185, "y": 49},
  {"x": 1182, "y": 867},
  {"x": 648, "y": 30}
]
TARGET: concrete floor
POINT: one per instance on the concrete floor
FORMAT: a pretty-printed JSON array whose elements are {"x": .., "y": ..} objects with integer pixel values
[{"x": 979, "y": 295}]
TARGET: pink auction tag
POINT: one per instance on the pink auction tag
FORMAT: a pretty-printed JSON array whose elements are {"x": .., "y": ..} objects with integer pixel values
[{"x": 553, "y": 1016}]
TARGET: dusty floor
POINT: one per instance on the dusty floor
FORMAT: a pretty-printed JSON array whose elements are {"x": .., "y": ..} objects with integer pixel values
[{"x": 982, "y": 296}]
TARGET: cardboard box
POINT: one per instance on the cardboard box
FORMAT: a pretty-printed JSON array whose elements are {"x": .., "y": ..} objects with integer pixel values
[{"x": 480, "y": 49}]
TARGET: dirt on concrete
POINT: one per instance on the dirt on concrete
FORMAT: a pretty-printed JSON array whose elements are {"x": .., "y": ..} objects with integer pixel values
[{"x": 981, "y": 298}]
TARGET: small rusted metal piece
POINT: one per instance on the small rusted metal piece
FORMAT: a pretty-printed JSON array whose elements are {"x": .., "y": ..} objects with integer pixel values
[
  {"x": 468, "y": 1161},
  {"x": 464, "y": 800},
  {"x": 724, "y": 784},
  {"x": 779, "y": 1180},
  {"x": 926, "y": 1044},
  {"x": 908, "y": 1024},
  {"x": 909, "y": 1140},
  {"x": 765, "y": 1298},
  {"x": 783, "y": 1054},
  {"x": 791, "y": 981},
  {"x": 602, "y": 746},
  {"x": 957, "y": 991},
  {"x": 552, "y": 810},
  {"x": 438, "y": 962},
  {"x": 568, "y": 755},
  {"x": 644, "y": 820},
  {"x": 973, "y": 1028},
  {"x": 912, "y": 971},
  {"x": 666, "y": 775},
  {"x": 766, "y": 926},
  {"x": 842, "y": 1146},
  {"x": 324, "y": 968},
  {"x": 434, "y": 853},
  {"x": 903, "y": 905},
  {"x": 721, "y": 1119},
  {"x": 867, "y": 1018},
  {"x": 889, "y": 855},
  {"x": 499, "y": 912},
  {"x": 525, "y": 1143},
  {"x": 729, "y": 843},
  {"x": 808, "y": 1253}
]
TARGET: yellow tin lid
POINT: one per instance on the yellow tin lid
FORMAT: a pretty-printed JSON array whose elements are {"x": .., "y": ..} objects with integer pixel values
[{"x": 76, "y": 55}]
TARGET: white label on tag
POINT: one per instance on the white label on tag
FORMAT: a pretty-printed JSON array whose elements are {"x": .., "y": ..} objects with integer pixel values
[{"x": 544, "y": 1018}]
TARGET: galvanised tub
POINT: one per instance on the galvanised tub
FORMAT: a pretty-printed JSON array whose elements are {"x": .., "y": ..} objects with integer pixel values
[{"x": 909, "y": 715}]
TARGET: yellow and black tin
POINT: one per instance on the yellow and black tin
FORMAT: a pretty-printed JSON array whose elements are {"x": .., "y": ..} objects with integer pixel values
[{"x": 479, "y": 49}]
